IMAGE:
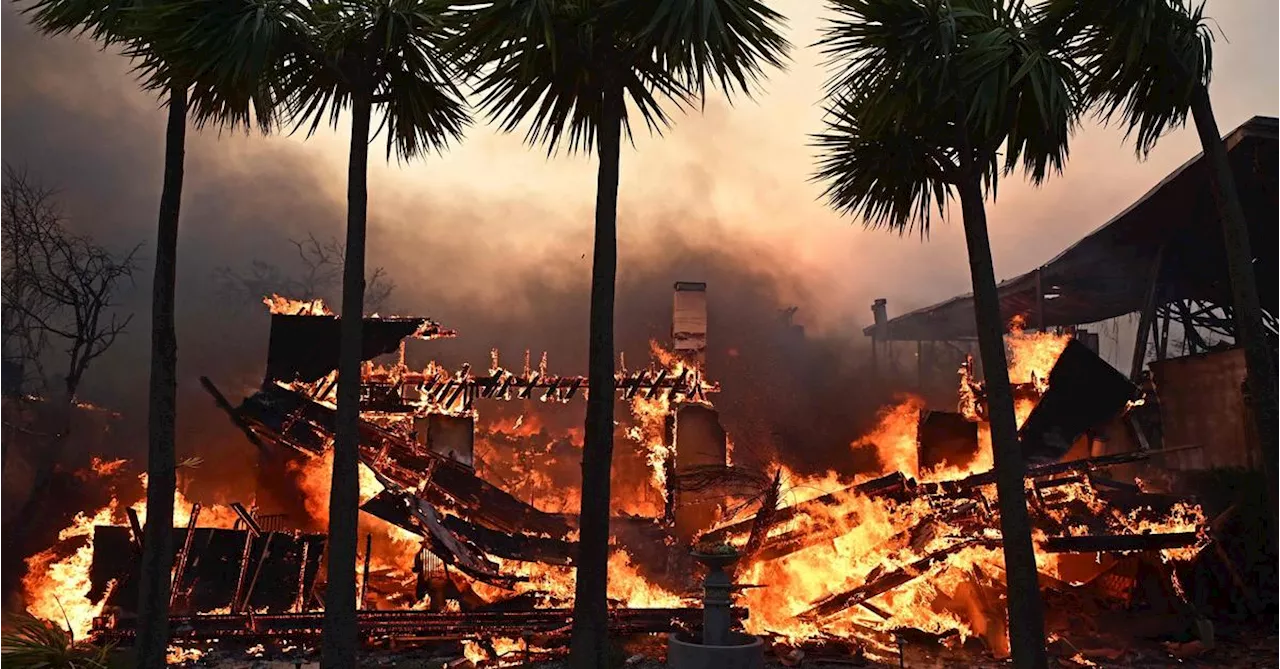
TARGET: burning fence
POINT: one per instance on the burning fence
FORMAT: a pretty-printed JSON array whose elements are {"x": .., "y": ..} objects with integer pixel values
[{"x": 470, "y": 528}]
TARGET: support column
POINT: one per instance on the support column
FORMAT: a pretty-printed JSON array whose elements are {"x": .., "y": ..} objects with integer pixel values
[
  {"x": 880, "y": 316},
  {"x": 1040, "y": 320},
  {"x": 1162, "y": 349},
  {"x": 919, "y": 366},
  {"x": 1146, "y": 316}
]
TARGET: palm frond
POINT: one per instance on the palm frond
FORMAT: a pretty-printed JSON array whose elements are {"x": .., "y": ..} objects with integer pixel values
[
  {"x": 31, "y": 642},
  {"x": 227, "y": 53},
  {"x": 548, "y": 63},
  {"x": 728, "y": 42},
  {"x": 389, "y": 50},
  {"x": 106, "y": 22},
  {"x": 223, "y": 52},
  {"x": 925, "y": 94},
  {"x": 889, "y": 176},
  {"x": 551, "y": 64},
  {"x": 1141, "y": 59}
]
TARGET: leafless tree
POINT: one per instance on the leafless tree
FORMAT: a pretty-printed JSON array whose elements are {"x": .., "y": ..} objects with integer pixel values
[
  {"x": 57, "y": 286},
  {"x": 320, "y": 271}
]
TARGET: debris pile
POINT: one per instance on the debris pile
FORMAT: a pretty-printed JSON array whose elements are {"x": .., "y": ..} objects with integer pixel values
[{"x": 836, "y": 566}]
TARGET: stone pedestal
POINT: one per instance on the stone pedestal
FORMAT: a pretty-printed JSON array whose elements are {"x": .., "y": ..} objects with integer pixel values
[
  {"x": 717, "y": 648},
  {"x": 717, "y": 600},
  {"x": 741, "y": 651}
]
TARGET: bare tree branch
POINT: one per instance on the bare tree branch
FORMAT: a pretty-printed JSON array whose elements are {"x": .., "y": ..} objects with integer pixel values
[
  {"x": 55, "y": 284},
  {"x": 320, "y": 265}
]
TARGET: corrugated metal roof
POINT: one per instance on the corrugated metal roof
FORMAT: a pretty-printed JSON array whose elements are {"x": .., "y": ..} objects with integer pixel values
[{"x": 1107, "y": 273}]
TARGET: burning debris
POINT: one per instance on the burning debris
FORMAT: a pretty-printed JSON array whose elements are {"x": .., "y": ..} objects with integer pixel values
[{"x": 469, "y": 537}]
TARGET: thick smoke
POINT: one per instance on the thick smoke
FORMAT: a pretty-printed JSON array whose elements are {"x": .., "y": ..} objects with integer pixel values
[{"x": 475, "y": 261}]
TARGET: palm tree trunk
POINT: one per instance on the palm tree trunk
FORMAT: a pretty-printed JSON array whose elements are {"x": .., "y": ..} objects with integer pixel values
[
  {"x": 1026, "y": 619},
  {"x": 340, "y": 637},
  {"x": 1247, "y": 308},
  {"x": 157, "y": 537},
  {"x": 590, "y": 641}
]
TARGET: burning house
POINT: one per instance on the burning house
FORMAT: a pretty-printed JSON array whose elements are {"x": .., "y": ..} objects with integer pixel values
[
  {"x": 468, "y": 520},
  {"x": 453, "y": 548}
]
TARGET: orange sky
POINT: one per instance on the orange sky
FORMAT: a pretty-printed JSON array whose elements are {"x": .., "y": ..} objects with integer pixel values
[
  {"x": 730, "y": 173},
  {"x": 745, "y": 168}
]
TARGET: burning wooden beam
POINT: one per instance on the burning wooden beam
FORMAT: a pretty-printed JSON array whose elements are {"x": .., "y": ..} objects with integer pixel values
[
  {"x": 1119, "y": 543},
  {"x": 839, "y": 602}
]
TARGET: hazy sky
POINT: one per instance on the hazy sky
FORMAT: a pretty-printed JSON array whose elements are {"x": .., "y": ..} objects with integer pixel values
[{"x": 480, "y": 223}]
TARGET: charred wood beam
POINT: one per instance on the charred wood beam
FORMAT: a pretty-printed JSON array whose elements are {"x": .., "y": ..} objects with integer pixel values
[
  {"x": 221, "y": 401},
  {"x": 763, "y": 521},
  {"x": 301, "y": 601},
  {"x": 834, "y": 604},
  {"x": 1084, "y": 465},
  {"x": 443, "y": 481},
  {"x": 1118, "y": 543},
  {"x": 238, "y": 595},
  {"x": 257, "y": 571},
  {"x": 364, "y": 577},
  {"x": 890, "y": 485},
  {"x": 246, "y": 518},
  {"x": 135, "y": 528},
  {"x": 181, "y": 567},
  {"x": 500, "y": 384}
]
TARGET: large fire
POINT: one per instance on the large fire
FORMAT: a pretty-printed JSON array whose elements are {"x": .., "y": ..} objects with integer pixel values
[
  {"x": 835, "y": 538},
  {"x": 56, "y": 586}
]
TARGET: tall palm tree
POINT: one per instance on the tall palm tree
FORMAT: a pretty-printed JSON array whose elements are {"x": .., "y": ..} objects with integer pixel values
[
  {"x": 364, "y": 55},
  {"x": 925, "y": 96},
  {"x": 178, "y": 47},
  {"x": 571, "y": 68},
  {"x": 1148, "y": 63}
]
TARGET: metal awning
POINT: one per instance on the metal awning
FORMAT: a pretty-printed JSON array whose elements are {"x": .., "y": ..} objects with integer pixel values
[{"x": 1108, "y": 273}]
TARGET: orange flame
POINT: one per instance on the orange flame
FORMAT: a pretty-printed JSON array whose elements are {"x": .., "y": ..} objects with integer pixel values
[{"x": 291, "y": 307}]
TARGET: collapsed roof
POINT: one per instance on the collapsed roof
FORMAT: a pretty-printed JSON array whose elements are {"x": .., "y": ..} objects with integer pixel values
[{"x": 1108, "y": 273}]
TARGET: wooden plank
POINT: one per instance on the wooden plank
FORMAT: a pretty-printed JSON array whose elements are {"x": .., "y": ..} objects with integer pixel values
[
  {"x": 834, "y": 604},
  {"x": 1115, "y": 543}
]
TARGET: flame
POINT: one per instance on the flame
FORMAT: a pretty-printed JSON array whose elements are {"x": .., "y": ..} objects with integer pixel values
[
  {"x": 627, "y": 587},
  {"x": 56, "y": 588},
  {"x": 841, "y": 546},
  {"x": 181, "y": 655},
  {"x": 895, "y": 437},
  {"x": 57, "y": 583},
  {"x": 394, "y": 547},
  {"x": 506, "y": 652},
  {"x": 651, "y": 413},
  {"x": 291, "y": 307},
  {"x": 1032, "y": 354},
  {"x": 106, "y": 468}
]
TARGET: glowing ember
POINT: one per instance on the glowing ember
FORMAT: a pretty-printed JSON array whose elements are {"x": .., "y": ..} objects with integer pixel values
[
  {"x": 105, "y": 468},
  {"x": 181, "y": 655}
]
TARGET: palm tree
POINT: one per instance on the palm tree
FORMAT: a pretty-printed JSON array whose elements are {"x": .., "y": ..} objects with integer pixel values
[
  {"x": 179, "y": 48},
  {"x": 925, "y": 96},
  {"x": 571, "y": 68},
  {"x": 1148, "y": 63},
  {"x": 362, "y": 54}
]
